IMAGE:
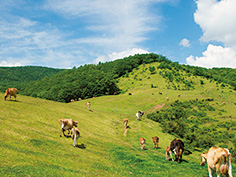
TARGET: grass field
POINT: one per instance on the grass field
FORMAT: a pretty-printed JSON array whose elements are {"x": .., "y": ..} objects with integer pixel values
[{"x": 31, "y": 145}]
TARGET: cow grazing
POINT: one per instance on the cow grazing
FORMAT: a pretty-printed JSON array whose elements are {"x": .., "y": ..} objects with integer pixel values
[
  {"x": 223, "y": 103},
  {"x": 75, "y": 134},
  {"x": 88, "y": 104},
  {"x": 168, "y": 153},
  {"x": 67, "y": 124},
  {"x": 139, "y": 115},
  {"x": 126, "y": 122},
  {"x": 218, "y": 160},
  {"x": 167, "y": 99},
  {"x": 11, "y": 92},
  {"x": 160, "y": 93},
  {"x": 155, "y": 140},
  {"x": 178, "y": 95},
  {"x": 177, "y": 147},
  {"x": 142, "y": 142}
]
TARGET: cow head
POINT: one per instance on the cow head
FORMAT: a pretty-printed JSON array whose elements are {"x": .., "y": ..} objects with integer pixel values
[
  {"x": 75, "y": 123},
  {"x": 203, "y": 159},
  {"x": 141, "y": 113}
]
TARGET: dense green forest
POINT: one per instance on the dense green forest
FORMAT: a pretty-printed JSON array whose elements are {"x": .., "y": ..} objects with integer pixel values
[
  {"x": 96, "y": 80},
  {"x": 18, "y": 77}
]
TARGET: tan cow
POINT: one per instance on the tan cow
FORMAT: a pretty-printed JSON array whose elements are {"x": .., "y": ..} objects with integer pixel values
[
  {"x": 126, "y": 122},
  {"x": 155, "y": 140},
  {"x": 67, "y": 124},
  {"x": 88, "y": 104},
  {"x": 75, "y": 134},
  {"x": 11, "y": 92},
  {"x": 167, "y": 98},
  {"x": 142, "y": 142},
  {"x": 218, "y": 160},
  {"x": 168, "y": 153}
]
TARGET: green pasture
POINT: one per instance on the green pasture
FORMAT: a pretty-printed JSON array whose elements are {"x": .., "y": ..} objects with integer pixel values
[{"x": 31, "y": 145}]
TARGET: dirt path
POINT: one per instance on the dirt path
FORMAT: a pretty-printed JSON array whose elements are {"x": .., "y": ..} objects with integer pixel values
[{"x": 158, "y": 106}]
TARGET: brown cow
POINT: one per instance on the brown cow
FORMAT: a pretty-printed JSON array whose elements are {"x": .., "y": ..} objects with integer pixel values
[
  {"x": 142, "y": 142},
  {"x": 67, "y": 124},
  {"x": 126, "y": 122},
  {"x": 11, "y": 92},
  {"x": 218, "y": 160},
  {"x": 168, "y": 153},
  {"x": 167, "y": 98},
  {"x": 155, "y": 140},
  {"x": 75, "y": 134}
]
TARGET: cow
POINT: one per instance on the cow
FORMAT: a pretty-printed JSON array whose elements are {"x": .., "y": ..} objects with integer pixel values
[
  {"x": 126, "y": 122},
  {"x": 155, "y": 140},
  {"x": 168, "y": 153},
  {"x": 218, "y": 160},
  {"x": 11, "y": 92},
  {"x": 139, "y": 115},
  {"x": 160, "y": 93},
  {"x": 142, "y": 142},
  {"x": 223, "y": 103},
  {"x": 177, "y": 147},
  {"x": 167, "y": 98},
  {"x": 75, "y": 134},
  {"x": 67, "y": 124},
  {"x": 88, "y": 104},
  {"x": 178, "y": 95}
]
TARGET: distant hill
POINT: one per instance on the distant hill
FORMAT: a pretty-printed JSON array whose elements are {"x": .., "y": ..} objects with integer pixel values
[
  {"x": 96, "y": 80},
  {"x": 20, "y": 76}
]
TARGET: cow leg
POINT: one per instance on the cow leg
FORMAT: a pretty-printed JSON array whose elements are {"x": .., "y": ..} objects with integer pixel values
[
  {"x": 68, "y": 132},
  {"x": 10, "y": 97},
  {"x": 15, "y": 98},
  {"x": 210, "y": 172}
]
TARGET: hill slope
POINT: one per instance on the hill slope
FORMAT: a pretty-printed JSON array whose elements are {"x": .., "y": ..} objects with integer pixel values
[
  {"x": 20, "y": 76},
  {"x": 30, "y": 142}
]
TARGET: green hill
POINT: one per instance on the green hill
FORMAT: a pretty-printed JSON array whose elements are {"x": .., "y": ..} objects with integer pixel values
[
  {"x": 30, "y": 142},
  {"x": 20, "y": 76}
]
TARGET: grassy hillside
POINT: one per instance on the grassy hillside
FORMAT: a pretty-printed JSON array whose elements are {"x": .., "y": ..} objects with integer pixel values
[
  {"x": 20, "y": 76},
  {"x": 31, "y": 145}
]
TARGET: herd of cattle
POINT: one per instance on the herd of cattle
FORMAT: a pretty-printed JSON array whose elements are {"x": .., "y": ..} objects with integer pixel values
[{"x": 217, "y": 159}]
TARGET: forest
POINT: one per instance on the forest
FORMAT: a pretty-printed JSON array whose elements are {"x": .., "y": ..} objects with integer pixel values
[{"x": 92, "y": 80}]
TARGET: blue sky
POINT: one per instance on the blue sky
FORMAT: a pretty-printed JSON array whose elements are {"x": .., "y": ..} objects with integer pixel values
[{"x": 68, "y": 33}]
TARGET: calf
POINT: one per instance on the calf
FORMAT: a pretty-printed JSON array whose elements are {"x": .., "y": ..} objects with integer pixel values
[
  {"x": 11, "y": 92},
  {"x": 126, "y": 122},
  {"x": 218, "y": 160},
  {"x": 75, "y": 134},
  {"x": 168, "y": 153},
  {"x": 155, "y": 140},
  {"x": 67, "y": 124},
  {"x": 139, "y": 115},
  {"x": 142, "y": 142},
  {"x": 177, "y": 146},
  {"x": 88, "y": 104}
]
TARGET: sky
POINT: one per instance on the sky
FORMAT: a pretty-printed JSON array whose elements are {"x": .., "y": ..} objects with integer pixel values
[{"x": 68, "y": 33}]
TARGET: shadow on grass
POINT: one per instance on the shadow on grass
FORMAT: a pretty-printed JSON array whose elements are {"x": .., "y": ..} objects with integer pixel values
[
  {"x": 17, "y": 101},
  {"x": 81, "y": 146}
]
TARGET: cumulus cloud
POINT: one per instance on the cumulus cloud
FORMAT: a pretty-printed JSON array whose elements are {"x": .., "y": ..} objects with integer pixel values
[
  {"x": 215, "y": 56},
  {"x": 184, "y": 42},
  {"x": 6, "y": 64},
  {"x": 120, "y": 55},
  {"x": 218, "y": 22}
]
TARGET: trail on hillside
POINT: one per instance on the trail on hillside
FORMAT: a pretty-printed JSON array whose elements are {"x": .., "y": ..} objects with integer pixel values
[{"x": 158, "y": 106}]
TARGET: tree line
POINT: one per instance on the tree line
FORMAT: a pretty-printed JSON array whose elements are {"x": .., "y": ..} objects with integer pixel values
[{"x": 96, "y": 80}]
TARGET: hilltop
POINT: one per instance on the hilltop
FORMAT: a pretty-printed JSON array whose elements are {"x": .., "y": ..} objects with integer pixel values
[{"x": 30, "y": 130}]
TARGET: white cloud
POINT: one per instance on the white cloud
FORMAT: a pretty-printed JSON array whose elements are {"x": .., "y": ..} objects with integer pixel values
[
  {"x": 215, "y": 56},
  {"x": 5, "y": 63},
  {"x": 184, "y": 42},
  {"x": 218, "y": 22},
  {"x": 120, "y": 55}
]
